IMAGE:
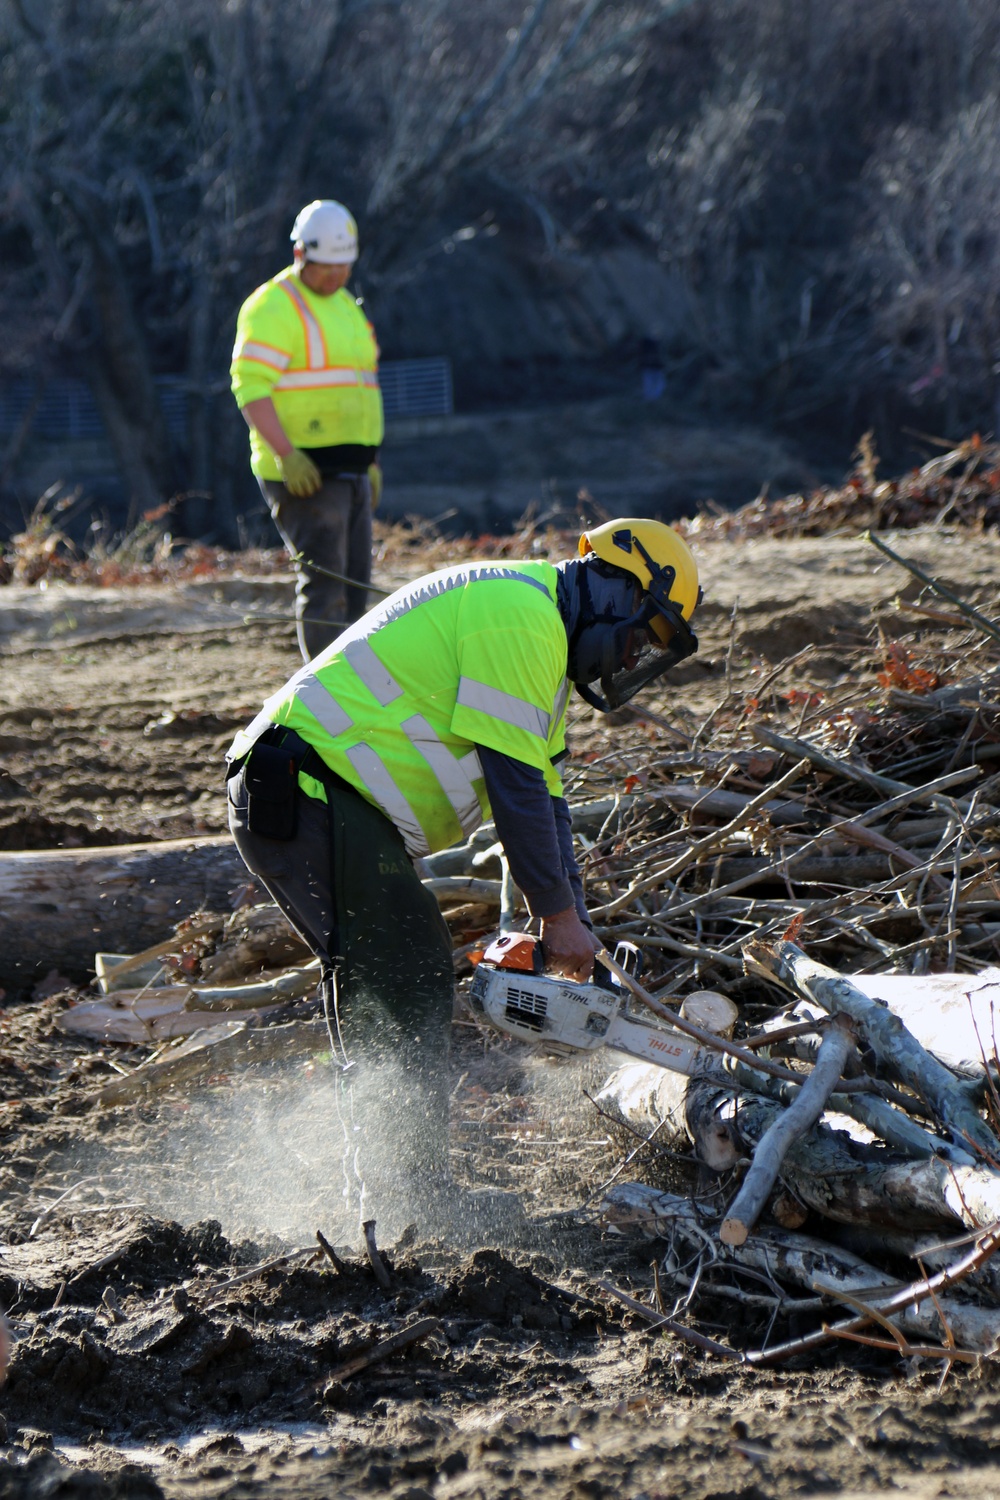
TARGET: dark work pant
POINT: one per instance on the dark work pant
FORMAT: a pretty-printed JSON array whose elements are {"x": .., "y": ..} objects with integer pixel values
[
  {"x": 348, "y": 887},
  {"x": 331, "y": 529}
]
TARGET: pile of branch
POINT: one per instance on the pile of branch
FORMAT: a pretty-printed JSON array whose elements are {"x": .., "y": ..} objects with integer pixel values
[
  {"x": 959, "y": 488},
  {"x": 879, "y": 1143},
  {"x": 873, "y": 820},
  {"x": 846, "y": 1139}
]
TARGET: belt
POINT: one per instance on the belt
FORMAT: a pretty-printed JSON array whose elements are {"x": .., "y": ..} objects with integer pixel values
[{"x": 306, "y": 759}]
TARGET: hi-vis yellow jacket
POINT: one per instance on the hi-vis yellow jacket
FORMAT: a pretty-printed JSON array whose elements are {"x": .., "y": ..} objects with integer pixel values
[
  {"x": 317, "y": 358},
  {"x": 472, "y": 655}
]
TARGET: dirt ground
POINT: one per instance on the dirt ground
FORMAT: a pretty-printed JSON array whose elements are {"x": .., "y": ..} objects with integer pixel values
[
  {"x": 143, "y": 1367},
  {"x": 117, "y": 705}
]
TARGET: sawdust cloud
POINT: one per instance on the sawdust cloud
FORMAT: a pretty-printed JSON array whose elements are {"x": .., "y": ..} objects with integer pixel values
[
  {"x": 278, "y": 1157},
  {"x": 281, "y": 1155}
]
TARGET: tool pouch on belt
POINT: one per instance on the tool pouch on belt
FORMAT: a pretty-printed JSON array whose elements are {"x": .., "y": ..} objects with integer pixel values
[{"x": 270, "y": 775}]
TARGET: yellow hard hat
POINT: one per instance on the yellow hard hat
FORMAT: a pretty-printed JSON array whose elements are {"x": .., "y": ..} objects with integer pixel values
[{"x": 659, "y": 558}]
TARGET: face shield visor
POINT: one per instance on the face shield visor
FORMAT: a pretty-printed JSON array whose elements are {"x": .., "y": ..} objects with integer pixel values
[{"x": 625, "y": 638}]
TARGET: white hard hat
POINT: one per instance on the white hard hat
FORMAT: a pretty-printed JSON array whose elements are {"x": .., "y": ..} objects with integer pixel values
[{"x": 325, "y": 232}]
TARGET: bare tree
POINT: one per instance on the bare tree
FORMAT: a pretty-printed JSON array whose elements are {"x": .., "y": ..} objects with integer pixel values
[
  {"x": 786, "y": 163},
  {"x": 932, "y": 252}
]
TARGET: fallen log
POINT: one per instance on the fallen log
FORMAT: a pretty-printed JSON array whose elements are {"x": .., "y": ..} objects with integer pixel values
[
  {"x": 896, "y": 1049},
  {"x": 58, "y": 907}
]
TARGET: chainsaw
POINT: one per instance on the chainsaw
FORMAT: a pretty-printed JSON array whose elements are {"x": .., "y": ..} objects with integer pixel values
[{"x": 513, "y": 993}]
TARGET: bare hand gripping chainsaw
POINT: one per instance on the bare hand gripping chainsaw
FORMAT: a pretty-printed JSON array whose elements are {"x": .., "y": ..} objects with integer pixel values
[{"x": 511, "y": 991}]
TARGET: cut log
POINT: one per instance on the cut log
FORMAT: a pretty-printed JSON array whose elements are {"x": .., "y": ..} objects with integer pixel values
[{"x": 58, "y": 907}]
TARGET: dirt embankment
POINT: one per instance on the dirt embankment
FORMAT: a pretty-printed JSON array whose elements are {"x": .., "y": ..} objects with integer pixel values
[{"x": 138, "y": 1371}]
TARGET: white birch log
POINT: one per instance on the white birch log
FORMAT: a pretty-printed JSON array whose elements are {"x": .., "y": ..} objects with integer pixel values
[
  {"x": 825, "y": 1169},
  {"x": 802, "y": 1261},
  {"x": 645, "y": 1097},
  {"x": 896, "y": 1049},
  {"x": 862, "y": 1184}
]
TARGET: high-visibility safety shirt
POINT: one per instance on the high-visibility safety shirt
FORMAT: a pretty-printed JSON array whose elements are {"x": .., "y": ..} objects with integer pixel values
[
  {"x": 317, "y": 358},
  {"x": 472, "y": 655}
]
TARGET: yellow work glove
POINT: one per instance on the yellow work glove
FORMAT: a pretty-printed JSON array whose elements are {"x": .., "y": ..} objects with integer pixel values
[
  {"x": 375, "y": 483},
  {"x": 299, "y": 474}
]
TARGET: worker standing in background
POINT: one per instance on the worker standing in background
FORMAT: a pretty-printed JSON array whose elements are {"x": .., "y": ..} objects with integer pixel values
[
  {"x": 445, "y": 704},
  {"x": 305, "y": 376}
]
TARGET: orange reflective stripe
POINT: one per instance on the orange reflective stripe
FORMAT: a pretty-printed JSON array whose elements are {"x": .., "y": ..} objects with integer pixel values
[{"x": 313, "y": 333}]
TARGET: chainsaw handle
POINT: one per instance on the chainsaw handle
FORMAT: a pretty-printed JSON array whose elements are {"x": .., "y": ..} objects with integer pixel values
[{"x": 627, "y": 960}]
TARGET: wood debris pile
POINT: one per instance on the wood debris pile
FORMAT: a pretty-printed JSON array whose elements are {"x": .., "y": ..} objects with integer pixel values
[
  {"x": 958, "y": 488},
  {"x": 804, "y": 832}
]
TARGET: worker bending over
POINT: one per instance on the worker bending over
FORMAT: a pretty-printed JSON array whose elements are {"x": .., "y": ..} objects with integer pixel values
[
  {"x": 305, "y": 376},
  {"x": 443, "y": 706}
]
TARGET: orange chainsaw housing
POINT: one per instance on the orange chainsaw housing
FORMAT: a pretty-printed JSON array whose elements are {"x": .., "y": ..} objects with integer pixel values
[{"x": 515, "y": 950}]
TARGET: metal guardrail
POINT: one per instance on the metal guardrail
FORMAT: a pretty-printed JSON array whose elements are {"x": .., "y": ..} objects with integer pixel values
[
  {"x": 416, "y": 388},
  {"x": 66, "y": 410}
]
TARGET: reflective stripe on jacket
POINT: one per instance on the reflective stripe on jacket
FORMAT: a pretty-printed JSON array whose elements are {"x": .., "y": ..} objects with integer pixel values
[
  {"x": 317, "y": 358},
  {"x": 473, "y": 655}
]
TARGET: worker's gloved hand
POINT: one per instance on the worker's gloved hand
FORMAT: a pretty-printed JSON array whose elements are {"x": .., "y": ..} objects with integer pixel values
[
  {"x": 375, "y": 484},
  {"x": 299, "y": 474},
  {"x": 568, "y": 946}
]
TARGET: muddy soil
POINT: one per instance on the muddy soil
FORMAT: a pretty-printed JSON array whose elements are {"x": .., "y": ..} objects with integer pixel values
[{"x": 143, "y": 1366}]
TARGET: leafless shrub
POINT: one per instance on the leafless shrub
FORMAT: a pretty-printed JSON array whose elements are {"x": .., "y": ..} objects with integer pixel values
[{"x": 932, "y": 250}]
